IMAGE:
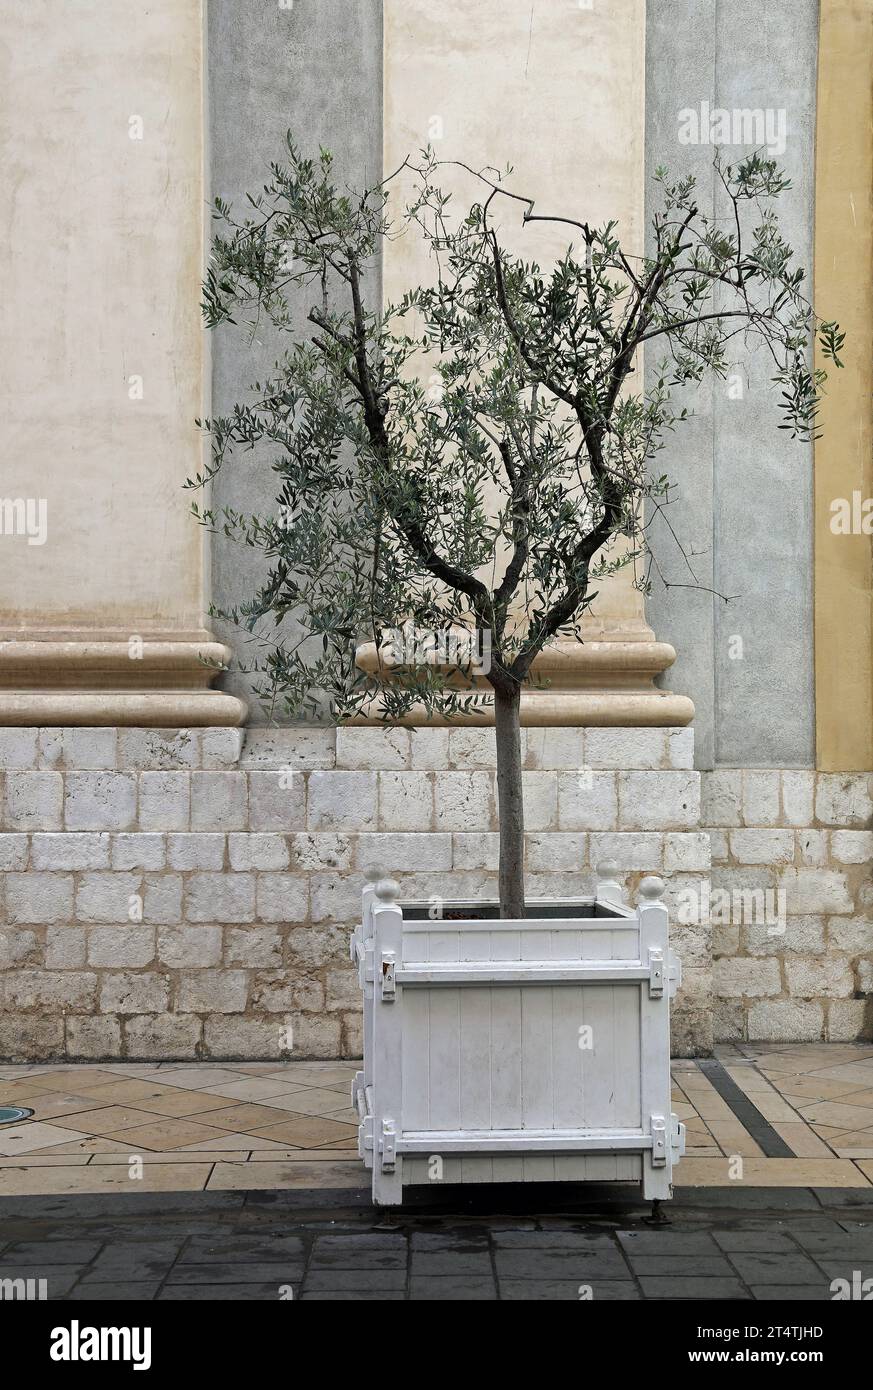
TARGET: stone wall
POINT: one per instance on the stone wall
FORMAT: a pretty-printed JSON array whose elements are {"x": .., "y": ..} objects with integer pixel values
[
  {"x": 807, "y": 972},
  {"x": 178, "y": 894},
  {"x": 173, "y": 894}
]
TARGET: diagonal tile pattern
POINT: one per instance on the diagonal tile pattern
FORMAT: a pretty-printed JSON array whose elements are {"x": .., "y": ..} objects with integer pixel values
[{"x": 261, "y": 1125}]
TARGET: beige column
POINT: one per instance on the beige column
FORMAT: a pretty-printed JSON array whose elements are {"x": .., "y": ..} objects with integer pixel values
[
  {"x": 557, "y": 91},
  {"x": 102, "y": 575},
  {"x": 843, "y": 462}
]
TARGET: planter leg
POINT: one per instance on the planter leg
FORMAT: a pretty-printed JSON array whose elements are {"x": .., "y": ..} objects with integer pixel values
[
  {"x": 656, "y": 1216},
  {"x": 657, "y": 1182},
  {"x": 388, "y": 1184}
]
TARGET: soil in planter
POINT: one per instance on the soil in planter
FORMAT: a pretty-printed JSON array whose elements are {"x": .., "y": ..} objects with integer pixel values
[{"x": 490, "y": 912}]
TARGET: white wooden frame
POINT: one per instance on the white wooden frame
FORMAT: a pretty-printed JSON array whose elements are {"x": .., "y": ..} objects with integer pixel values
[{"x": 516, "y": 1050}]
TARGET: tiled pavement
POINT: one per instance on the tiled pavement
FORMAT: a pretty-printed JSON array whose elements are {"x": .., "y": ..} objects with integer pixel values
[
  {"x": 723, "y": 1243},
  {"x": 764, "y": 1115}
]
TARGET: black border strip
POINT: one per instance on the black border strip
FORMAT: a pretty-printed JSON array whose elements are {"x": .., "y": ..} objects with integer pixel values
[{"x": 750, "y": 1117}]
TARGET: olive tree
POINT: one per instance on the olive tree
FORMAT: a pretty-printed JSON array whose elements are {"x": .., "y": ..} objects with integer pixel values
[{"x": 474, "y": 458}]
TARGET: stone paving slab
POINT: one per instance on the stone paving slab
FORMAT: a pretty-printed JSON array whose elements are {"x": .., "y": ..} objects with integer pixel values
[
  {"x": 753, "y": 1116},
  {"x": 332, "y": 1245}
]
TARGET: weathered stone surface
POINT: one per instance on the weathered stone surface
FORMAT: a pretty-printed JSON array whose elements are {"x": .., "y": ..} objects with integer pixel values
[
  {"x": 165, "y": 800},
  {"x": 213, "y": 991},
  {"x": 18, "y": 947},
  {"x": 686, "y": 851},
  {"x": 277, "y": 801},
  {"x": 162, "y": 898},
  {"x": 852, "y": 846},
  {"x": 746, "y": 978},
  {"x": 297, "y": 747},
  {"x": 39, "y": 898},
  {"x": 471, "y": 749},
  {"x": 31, "y": 1037},
  {"x": 843, "y": 799},
  {"x": 477, "y": 849},
  {"x": 587, "y": 801},
  {"x": 147, "y": 851},
  {"x": 540, "y": 791},
  {"x": 65, "y": 948},
  {"x": 186, "y": 948},
  {"x": 849, "y": 1019},
  {"x": 851, "y": 934},
  {"x": 70, "y": 850},
  {"x": 761, "y": 798},
  {"x": 378, "y": 749},
  {"x": 785, "y": 1020},
  {"x": 405, "y": 802},
  {"x": 48, "y": 989},
  {"x": 819, "y": 977},
  {"x": 92, "y": 1038},
  {"x": 659, "y": 800},
  {"x": 109, "y": 897},
  {"x": 282, "y": 898},
  {"x": 18, "y": 748},
  {"x": 127, "y": 992},
  {"x": 277, "y": 991},
  {"x": 466, "y": 800},
  {"x": 98, "y": 800},
  {"x": 88, "y": 750},
  {"x": 762, "y": 846},
  {"x": 397, "y": 852},
  {"x": 248, "y": 946},
  {"x": 553, "y": 749},
  {"x": 14, "y": 852},
  {"x": 221, "y": 748},
  {"x": 121, "y": 946},
  {"x": 214, "y": 897},
  {"x": 219, "y": 801},
  {"x": 798, "y": 798},
  {"x": 816, "y": 890},
  {"x": 813, "y": 847},
  {"x": 226, "y": 1037},
  {"x": 257, "y": 851},
  {"x": 333, "y": 898},
  {"x": 623, "y": 749},
  {"x": 321, "y": 851},
  {"x": 637, "y": 850},
  {"x": 162, "y": 1038},
  {"x": 429, "y": 748},
  {"x": 800, "y": 935},
  {"x": 721, "y": 798},
  {"x": 547, "y": 853},
  {"x": 199, "y": 850},
  {"x": 159, "y": 749},
  {"x": 33, "y": 801}
]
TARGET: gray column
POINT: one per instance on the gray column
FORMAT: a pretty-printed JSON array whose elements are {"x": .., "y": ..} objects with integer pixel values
[
  {"x": 314, "y": 67},
  {"x": 744, "y": 490}
]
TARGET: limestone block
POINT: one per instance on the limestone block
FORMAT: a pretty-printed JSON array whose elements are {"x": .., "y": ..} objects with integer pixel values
[
  {"x": 164, "y": 800},
  {"x": 33, "y": 801},
  {"x": 219, "y": 801},
  {"x": 98, "y": 800}
]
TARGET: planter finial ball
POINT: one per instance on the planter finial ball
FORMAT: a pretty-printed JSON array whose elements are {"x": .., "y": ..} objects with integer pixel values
[
  {"x": 373, "y": 872},
  {"x": 606, "y": 868},
  {"x": 387, "y": 890},
  {"x": 652, "y": 888}
]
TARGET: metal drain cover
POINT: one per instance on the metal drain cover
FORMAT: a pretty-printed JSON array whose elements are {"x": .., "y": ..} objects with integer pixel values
[{"x": 8, "y": 1113}]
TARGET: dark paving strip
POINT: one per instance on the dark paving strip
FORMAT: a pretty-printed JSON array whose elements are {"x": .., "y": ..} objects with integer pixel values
[{"x": 750, "y": 1117}]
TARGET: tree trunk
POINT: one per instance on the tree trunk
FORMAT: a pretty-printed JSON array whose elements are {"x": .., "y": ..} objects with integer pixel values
[{"x": 507, "y": 729}]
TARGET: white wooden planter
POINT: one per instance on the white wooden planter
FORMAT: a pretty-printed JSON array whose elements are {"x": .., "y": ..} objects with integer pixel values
[{"x": 516, "y": 1051}]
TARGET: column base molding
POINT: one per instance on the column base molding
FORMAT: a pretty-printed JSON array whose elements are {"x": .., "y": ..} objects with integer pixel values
[
  {"x": 150, "y": 681},
  {"x": 597, "y": 683}
]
